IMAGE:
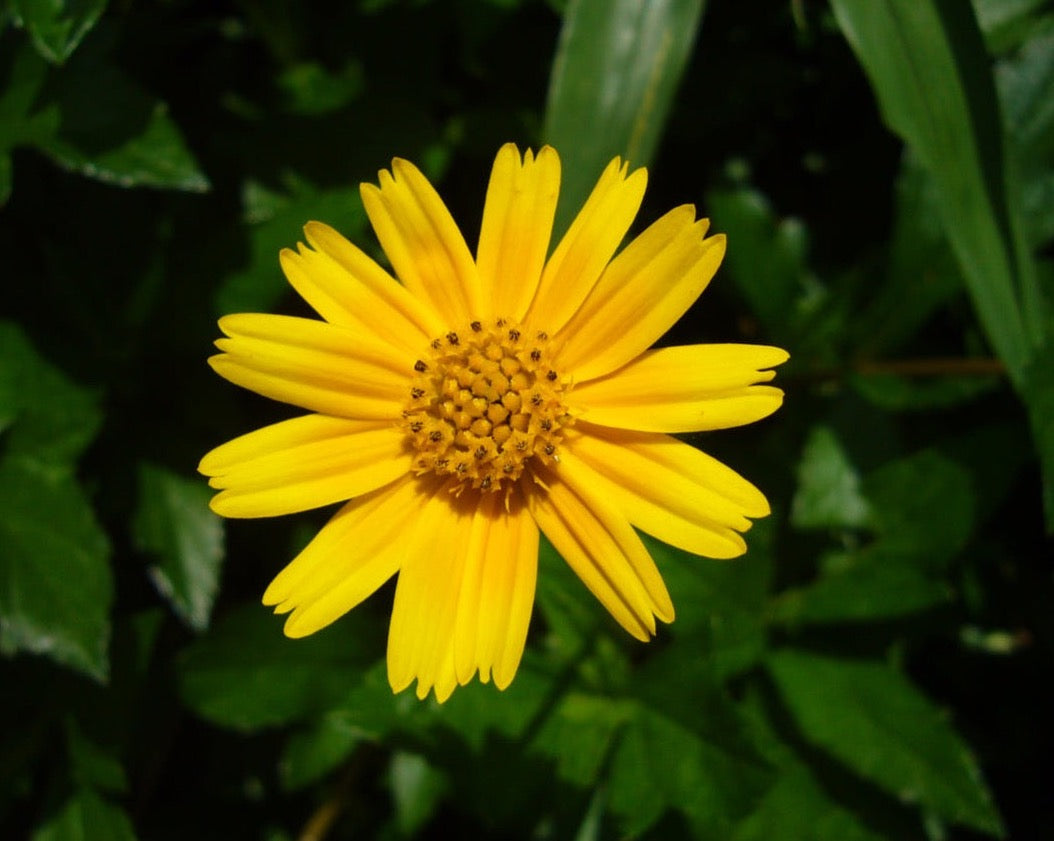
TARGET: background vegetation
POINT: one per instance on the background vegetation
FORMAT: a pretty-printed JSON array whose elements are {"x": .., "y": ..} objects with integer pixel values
[{"x": 877, "y": 667}]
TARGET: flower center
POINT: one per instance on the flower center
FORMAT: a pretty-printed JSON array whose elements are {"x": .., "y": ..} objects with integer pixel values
[{"x": 484, "y": 403}]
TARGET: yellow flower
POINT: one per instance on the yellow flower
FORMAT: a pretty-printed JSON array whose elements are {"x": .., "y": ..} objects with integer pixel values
[{"x": 479, "y": 401}]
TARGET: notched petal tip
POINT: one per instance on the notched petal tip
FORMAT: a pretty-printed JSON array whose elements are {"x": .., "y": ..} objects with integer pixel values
[
  {"x": 370, "y": 193},
  {"x": 779, "y": 357}
]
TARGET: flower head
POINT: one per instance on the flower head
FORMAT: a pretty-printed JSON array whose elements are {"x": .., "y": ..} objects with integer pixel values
[{"x": 475, "y": 402}]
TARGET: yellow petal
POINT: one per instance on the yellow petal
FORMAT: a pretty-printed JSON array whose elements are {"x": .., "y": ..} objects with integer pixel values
[
  {"x": 647, "y": 287},
  {"x": 587, "y": 246},
  {"x": 684, "y": 389},
  {"x": 665, "y": 487},
  {"x": 346, "y": 287},
  {"x": 602, "y": 548},
  {"x": 420, "y": 640},
  {"x": 517, "y": 224},
  {"x": 304, "y": 463},
  {"x": 355, "y": 553},
  {"x": 497, "y": 593},
  {"x": 315, "y": 365},
  {"x": 423, "y": 242}
]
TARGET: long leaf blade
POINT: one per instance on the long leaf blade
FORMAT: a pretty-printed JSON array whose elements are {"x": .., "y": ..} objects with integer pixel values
[
  {"x": 615, "y": 74},
  {"x": 927, "y": 64}
]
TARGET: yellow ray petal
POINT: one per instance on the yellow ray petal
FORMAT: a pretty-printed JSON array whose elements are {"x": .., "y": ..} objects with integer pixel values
[
  {"x": 497, "y": 594},
  {"x": 304, "y": 463},
  {"x": 665, "y": 487},
  {"x": 315, "y": 365},
  {"x": 421, "y": 635},
  {"x": 423, "y": 242},
  {"x": 587, "y": 246},
  {"x": 517, "y": 224},
  {"x": 684, "y": 389},
  {"x": 518, "y": 578},
  {"x": 354, "y": 554},
  {"x": 600, "y": 545},
  {"x": 647, "y": 287},
  {"x": 348, "y": 288}
]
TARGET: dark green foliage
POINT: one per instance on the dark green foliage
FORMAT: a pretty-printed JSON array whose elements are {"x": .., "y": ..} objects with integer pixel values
[{"x": 877, "y": 666}]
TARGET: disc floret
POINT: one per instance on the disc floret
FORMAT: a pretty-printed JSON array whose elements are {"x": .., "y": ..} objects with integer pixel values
[{"x": 483, "y": 403}]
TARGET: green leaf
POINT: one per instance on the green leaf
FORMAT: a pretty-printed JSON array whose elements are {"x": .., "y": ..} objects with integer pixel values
[
  {"x": 866, "y": 585},
  {"x": 58, "y": 26},
  {"x": 314, "y": 751},
  {"x": 22, "y": 118},
  {"x": 1004, "y": 21},
  {"x": 91, "y": 766},
  {"x": 873, "y": 720},
  {"x": 51, "y": 419},
  {"x": 905, "y": 521},
  {"x": 797, "y": 808},
  {"x": 173, "y": 522},
  {"x": 55, "y": 581},
  {"x": 579, "y": 735},
  {"x": 921, "y": 275},
  {"x": 614, "y": 77},
  {"x": 95, "y": 120},
  {"x": 246, "y": 675},
  {"x": 1039, "y": 397},
  {"x": 686, "y": 753},
  {"x": 115, "y": 132},
  {"x": 829, "y": 493},
  {"x": 416, "y": 791},
  {"x": 905, "y": 394},
  {"x": 87, "y": 817},
  {"x": 1026, "y": 91},
  {"x": 312, "y": 89},
  {"x": 928, "y": 66},
  {"x": 154, "y": 157},
  {"x": 767, "y": 262},
  {"x": 721, "y": 605},
  {"x": 901, "y": 570},
  {"x": 656, "y": 751}
]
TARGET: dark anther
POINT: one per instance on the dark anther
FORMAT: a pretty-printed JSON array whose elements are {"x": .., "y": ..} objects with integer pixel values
[
  {"x": 547, "y": 424},
  {"x": 536, "y": 399},
  {"x": 543, "y": 335},
  {"x": 435, "y": 435},
  {"x": 509, "y": 467},
  {"x": 514, "y": 335},
  {"x": 476, "y": 326},
  {"x": 481, "y": 452},
  {"x": 436, "y": 343},
  {"x": 549, "y": 449},
  {"x": 485, "y": 483},
  {"x": 501, "y": 322},
  {"x": 420, "y": 366},
  {"x": 551, "y": 376},
  {"x": 417, "y": 393},
  {"x": 521, "y": 445},
  {"x": 416, "y": 426},
  {"x": 441, "y": 463},
  {"x": 462, "y": 466},
  {"x": 536, "y": 354},
  {"x": 452, "y": 338}
]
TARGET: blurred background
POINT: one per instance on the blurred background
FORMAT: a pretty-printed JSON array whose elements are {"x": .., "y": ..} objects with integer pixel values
[{"x": 876, "y": 667}]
